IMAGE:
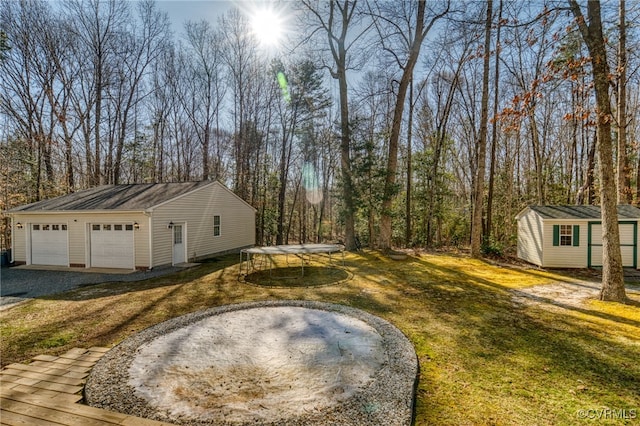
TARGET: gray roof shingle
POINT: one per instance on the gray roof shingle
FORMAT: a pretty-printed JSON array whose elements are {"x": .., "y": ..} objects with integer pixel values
[
  {"x": 583, "y": 212},
  {"x": 114, "y": 197}
]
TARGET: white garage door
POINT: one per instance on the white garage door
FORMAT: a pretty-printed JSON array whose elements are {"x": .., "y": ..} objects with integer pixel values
[
  {"x": 627, "y": 244},
  {"x": 112, "y": 245},
  {"x": 49, "y": 244}
]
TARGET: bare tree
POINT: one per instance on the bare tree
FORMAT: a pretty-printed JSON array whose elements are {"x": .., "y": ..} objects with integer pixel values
[
  {"x": 591, "y": 30},
  {"x": 411, "y": 37},
  {"x": 624, "y": 180},
  {"x": 303, "y": 98},
  {"x": 27, "y": 88},
  {"x": 478, "y": 190},
  {"x": 494, "y": 128},
  {"x": 444, "y": 82},
  {"x": 139, "y": 47},
  {"x": 203, "y": 101},
  {"x": 239, "y": 52},
  {"x": 337, "y": 20},
  {"x": 96, "y": 25}
]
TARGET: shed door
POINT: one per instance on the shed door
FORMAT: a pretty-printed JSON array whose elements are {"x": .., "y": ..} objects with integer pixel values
[
  {"x": 112, "y": 245},
  {"x": 49, "y": 244},
  {"x": 628, "y": 244}
]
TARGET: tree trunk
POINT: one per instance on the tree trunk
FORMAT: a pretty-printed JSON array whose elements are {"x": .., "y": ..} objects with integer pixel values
[
  {"x": 392, "y": 158},
  {"x": 408, "y": 231},
  {"x": 624, "y": 181},
  {"x": 612, "y": 273},
  {"x": 494, "y": 128},
  {"x": 537, "y": 156},
  {"x": 345, "y": 157},
  {"x": 478, "y": 191}
]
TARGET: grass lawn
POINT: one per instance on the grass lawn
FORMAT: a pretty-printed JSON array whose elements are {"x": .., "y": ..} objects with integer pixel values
[{"x": 484, "y": 359}]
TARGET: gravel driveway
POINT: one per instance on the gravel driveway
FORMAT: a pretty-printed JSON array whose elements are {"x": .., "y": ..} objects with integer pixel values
[{"x": 18, "y": 284}]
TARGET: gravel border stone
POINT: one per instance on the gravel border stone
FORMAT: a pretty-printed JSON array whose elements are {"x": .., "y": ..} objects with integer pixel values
[{"x": 388, "y": 399}]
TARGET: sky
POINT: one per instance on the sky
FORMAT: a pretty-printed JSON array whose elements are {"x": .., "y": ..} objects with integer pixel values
[{"x": 181, "y": 11}]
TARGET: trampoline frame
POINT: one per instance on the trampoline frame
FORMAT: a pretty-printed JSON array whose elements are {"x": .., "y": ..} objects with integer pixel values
[{"x": 248, "y": 255}]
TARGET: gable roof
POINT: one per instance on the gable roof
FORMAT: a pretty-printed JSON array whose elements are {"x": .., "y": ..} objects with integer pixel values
[
  {"x": 583, "y": 212},
  {"x": 129, "y": 197}
]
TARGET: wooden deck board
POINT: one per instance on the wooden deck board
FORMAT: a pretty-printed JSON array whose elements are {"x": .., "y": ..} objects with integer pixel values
[
  {"x": 52, "y": 364},
  {"x": 47, "y": 391},
  {"x": 44, "y": 413},
  {"x": 12, "y": 419},
  {"x": 55, "y": 378},
  {"x": 28, "y": 367}
]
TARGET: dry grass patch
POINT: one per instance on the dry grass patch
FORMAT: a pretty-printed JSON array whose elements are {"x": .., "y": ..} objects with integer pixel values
[{"x": 484, "y": 358}]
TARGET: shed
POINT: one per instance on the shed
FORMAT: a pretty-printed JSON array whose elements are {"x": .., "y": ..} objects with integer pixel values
[
  {"x": 571, "y": 236},
  {"x": 136, "y": 226}
]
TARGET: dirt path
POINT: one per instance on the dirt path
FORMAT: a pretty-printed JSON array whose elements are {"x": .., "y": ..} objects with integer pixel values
[{"x": 568, "y": 293}]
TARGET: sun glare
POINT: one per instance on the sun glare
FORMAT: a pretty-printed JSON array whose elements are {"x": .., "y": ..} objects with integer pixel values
[{"x": 268, "y": 26}]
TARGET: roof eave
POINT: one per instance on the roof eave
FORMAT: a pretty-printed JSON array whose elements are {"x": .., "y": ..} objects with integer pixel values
[{"x": 108, "y": 211}]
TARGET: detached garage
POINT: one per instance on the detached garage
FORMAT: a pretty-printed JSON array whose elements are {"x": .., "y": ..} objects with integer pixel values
[
  {"x": 136, "y": 226},
  {"x": 571, "y": 236}
]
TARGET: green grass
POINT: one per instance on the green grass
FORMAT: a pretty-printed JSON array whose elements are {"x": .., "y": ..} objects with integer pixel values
[
  {"x": 483, "y": 358},
  {"x": 57, "y": 340}
]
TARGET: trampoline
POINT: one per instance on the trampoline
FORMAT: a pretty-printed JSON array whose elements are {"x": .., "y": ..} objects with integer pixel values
[{"x": 252, "y": 259}]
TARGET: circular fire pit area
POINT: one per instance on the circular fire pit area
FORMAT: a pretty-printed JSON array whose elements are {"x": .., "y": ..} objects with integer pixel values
[{"x": 284, "y": 362}]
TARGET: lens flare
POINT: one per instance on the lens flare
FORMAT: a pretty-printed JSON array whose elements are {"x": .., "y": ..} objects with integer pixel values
[
  {"x": 311, "y": 184},
  {"x": 284, "y": 86}
]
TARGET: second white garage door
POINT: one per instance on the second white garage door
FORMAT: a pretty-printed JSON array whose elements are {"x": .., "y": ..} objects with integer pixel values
[{"x": 112, "y": 245}]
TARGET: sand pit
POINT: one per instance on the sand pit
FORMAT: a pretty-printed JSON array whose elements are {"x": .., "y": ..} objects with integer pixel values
[{"x": 289, "y": 363}]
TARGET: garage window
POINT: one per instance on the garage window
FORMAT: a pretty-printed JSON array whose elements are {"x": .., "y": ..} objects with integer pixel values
[{"x": 216, "y": 225}]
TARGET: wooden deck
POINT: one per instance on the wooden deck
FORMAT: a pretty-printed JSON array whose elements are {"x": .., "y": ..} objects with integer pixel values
[{"x": 48, "y": 391}]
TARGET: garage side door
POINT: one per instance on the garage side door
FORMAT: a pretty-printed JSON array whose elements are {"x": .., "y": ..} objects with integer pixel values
[
  {"x": 49, "y": 244},
  {"x": 627, "y": 244},
  {"x": 112, "y": 245}
]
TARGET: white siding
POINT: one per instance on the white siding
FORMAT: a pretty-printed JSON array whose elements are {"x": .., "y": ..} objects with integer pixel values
[
  {"x": 195, "y": 211},
  {"x": 530, "y": 237},
  {"x": 19, "y": 240},
  {"x": 564, "y": 256}
]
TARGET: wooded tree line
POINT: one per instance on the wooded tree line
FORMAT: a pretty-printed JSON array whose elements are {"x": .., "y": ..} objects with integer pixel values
[{"x": 393, "y": 121}]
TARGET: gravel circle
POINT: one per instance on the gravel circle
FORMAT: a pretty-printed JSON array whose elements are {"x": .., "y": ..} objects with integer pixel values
[{"x": 384, "y": 369}]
